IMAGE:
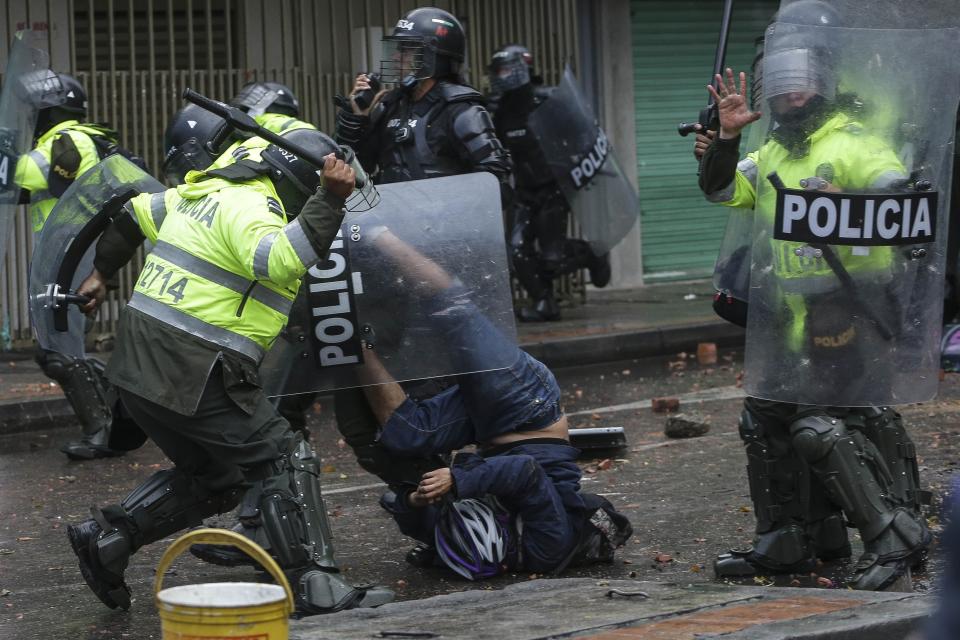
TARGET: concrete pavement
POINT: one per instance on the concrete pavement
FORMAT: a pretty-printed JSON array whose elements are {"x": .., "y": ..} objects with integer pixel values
[{"x": 659, "y": 320}]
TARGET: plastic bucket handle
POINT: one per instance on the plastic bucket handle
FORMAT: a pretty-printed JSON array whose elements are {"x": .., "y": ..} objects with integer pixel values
[{"x": 222, "y": 537}]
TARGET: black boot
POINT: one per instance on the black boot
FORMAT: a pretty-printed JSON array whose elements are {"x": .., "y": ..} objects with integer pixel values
[
  {"x": 600, "y": 272},
  {"x": 103, "y": 559},
  {"x": 227, "y": 556},
  {"x": 91, "y": 447},
  {"x": 544, "y": 310}
]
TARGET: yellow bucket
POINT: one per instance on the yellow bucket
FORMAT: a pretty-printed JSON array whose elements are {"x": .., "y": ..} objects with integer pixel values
[{"x": 223, "y": 610}]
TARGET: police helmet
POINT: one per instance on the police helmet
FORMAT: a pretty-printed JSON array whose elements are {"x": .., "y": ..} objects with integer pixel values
[
  {"x": 56, "y": 97},
  {"x": 793, "y": 24},
  {"x": 194, "y": 138},
  {"x": 426, "y": 43},
  {"x": 257, "y": 98},
  {"x": 294, "y": 178},
  {"x": 511, "y": 67}
]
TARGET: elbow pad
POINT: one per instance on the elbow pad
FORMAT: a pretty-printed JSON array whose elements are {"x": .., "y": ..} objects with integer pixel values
[
  {"x": 350, "y": 128},
  {"x": 118, "y": 244},
  {"x": 474, "y": 130}
]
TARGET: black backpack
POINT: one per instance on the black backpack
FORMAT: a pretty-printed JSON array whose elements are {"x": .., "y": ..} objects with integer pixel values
[{"x": 603, "y": 530}]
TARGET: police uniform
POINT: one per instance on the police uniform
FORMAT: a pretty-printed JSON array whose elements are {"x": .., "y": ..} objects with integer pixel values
[
  {"x": 211, "y": 298},
  {"x": 804, "y": 462},
  {"x": 447, "y": 132},
  {"x": 540, "y": 249},
  {"x": 63, "y": 152}
]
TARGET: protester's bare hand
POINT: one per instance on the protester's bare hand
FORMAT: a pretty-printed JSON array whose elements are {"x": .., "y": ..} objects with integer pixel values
[
  {"x": 435, "y": 484},
  {"x": 337, "y": 176},
  {"x": 704, "y": 140},
  {"x": 95, "y": 288},
  {"x": 732, "y": 107},
  {"x": 361, "y": 84}
]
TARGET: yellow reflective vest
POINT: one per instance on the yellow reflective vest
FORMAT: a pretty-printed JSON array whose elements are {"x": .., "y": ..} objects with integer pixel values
[
  {"x": 857, "y": 161},
  {"x": 33, "y": 168},
  {"x": 279, "y": 123},
  {"x": 226, "y": 263}
]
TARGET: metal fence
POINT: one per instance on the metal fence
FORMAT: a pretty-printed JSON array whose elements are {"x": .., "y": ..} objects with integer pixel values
[{"x": 136, "y": 57}]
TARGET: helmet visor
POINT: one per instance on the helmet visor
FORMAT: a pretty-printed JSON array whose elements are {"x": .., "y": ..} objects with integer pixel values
[
  {"x": 402, "y": 58},
  {"x": 42, "y": 88},
  {"x": 187, "y": 157},
  {"x": 508, "y": 73},
  {"x": 797, "y": 71},
  {"x": 256, "y": 101}
]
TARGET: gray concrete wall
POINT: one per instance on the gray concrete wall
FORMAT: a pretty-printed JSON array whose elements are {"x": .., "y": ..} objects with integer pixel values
[{"x": 610, "y": 54}]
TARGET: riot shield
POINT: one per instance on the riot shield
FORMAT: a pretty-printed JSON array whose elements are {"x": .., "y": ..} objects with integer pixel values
[
  {"x": 581, "y": 159},
  {"x": 63, "y": 254},
  {"x": 417, "y": 287},
  {"x": 851, "y": 207},
  {"x": 731, "y": 272},
  {"x": 26, "y": 66}
]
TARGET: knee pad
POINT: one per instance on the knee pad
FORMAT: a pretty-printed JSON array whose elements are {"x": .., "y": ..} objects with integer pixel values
[{"x": 813, "y": 437}]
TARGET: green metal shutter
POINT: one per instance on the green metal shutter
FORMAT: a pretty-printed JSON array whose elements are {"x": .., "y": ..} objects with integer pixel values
[{"x": 674, "y": 42}]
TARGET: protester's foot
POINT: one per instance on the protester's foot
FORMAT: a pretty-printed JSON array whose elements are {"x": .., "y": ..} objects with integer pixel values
[
  {"x": 543, "y": 310},
  {"x": 422, "y": 556},
  {"x": 600, "y": 272},
  {"x": 108, "y": 585},
  {"x": 741, "y": 563}
]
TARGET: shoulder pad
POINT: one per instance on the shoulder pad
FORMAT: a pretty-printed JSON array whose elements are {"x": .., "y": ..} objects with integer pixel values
[
  {"x": 240, "y": 171},
  {"x": 472, "y": 121},
  {"x": 451, "y": 92}
]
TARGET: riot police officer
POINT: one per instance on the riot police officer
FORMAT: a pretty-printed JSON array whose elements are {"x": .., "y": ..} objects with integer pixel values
[
  {"x": 539, "y": 214},
  {"x": 65, "y": 147},
  {"x": 807, "y": 459},
  {"x": 431, "y": 124},
  {"x": 229, "y": 248}
]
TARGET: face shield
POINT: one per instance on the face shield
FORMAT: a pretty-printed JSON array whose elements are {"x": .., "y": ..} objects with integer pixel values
[
  {"x": 404, "y": 58},
  {"x": 187, "y": 157},
  {"x": 797, "y": 71},
  {"x": 365, "y": 195},
  {"x": 508, "y": 71},
  {"x": 258, "y": 100},
  {"x": 42, "y": 88}
]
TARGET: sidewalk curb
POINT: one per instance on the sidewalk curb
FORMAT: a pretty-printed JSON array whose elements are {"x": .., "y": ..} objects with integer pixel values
[
  {"x": 35, "y": 415},
  {"x": 38, "y": 414},
  {"x": 609, "y": 347},
  {"x": 586, "y": 608}
]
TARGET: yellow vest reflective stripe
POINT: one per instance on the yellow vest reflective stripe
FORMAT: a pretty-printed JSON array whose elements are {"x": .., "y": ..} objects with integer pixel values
[
  {"x": 209, "y": 271},
  {"x": 211, "y": 265},
  {"x": 195, "y": 326}
]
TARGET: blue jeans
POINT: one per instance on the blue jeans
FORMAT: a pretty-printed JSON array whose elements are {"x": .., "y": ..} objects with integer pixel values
[{"x": 522, "y": 397}]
